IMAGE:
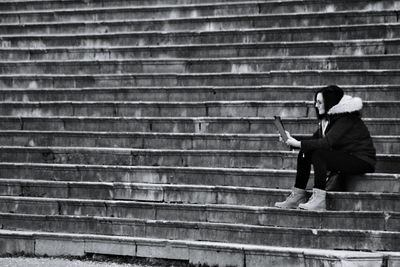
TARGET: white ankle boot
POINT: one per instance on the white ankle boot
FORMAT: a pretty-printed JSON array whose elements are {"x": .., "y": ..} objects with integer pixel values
[
  {"x": 316, "y": 202},
  {"x": 296, "y": 197}
]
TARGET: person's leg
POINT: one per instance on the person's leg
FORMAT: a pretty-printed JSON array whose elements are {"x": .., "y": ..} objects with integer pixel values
[
  {"x": 335, "y": 161},
  {"x": 324, "y": 160},
  {"x": 298, "y": 194},
  {"x": 303, "y": 170}
]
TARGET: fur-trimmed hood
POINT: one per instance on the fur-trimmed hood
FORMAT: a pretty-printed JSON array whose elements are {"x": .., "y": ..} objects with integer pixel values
[{"x": 347, "y": 104}]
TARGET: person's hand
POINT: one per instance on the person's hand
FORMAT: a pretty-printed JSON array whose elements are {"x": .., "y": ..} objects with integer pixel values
[{"x": 292, "y": 141}]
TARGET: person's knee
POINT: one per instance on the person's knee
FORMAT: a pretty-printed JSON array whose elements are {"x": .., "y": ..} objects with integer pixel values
[{"x": 318, "y": 154}]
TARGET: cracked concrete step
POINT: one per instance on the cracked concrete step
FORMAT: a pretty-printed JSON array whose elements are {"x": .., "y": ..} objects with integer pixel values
[
  {"x": 388, "y": 163},
  {"x": 222, "y": 232},
  {"x": 196, "y": 94},
  {"x": 203, "y": 23},
  {"x": 203, "y": 65},
  {"x": 194, "y": 252},
  {"x": 258, "y": 178},
  {"x": 357, "y": 220},
  {"x": 274, "y": 78},
  {"x": 253, "y": 125},
  {"x": 343, "y": 32},
  {"x": 383, "y": 144},
  {"x": 192, "y": 11},
  {"x": 300, "y": 48},
  {"x": 196, "y": 194},
  {"x": 300, "y": 109}
]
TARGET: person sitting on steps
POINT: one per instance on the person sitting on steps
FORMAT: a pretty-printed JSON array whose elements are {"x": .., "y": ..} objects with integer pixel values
[{"x": 342, "y": 144}]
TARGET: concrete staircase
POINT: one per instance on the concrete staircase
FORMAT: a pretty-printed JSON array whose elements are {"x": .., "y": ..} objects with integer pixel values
[{"x": 144, "y": 128}]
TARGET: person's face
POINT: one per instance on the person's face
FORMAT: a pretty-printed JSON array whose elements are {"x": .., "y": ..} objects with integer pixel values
[{"x": 319, "y": 104}]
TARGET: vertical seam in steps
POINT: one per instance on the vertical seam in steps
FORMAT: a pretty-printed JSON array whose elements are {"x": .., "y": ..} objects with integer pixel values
[
  {"x": 34, "y": 245},
  {"x": 259, "y": 9},
  {"x": 21, "y": 123},
  {"x": 64, "y": 124},
  {"x": 156, "y": 209},
  {"x": 107, "y": 209},
  {"x": 69, "y": 190},
  {"x": 59, "y": 208},
  {"x": 115, "y": 110},
  {"x": 244, "y": 257}
]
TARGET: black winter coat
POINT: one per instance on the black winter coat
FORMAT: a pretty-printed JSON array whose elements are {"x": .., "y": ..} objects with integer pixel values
[{"x": 345, "y": 132}]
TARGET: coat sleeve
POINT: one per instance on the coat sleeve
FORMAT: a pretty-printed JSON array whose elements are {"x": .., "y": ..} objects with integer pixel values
[{"x": 335, "y": 133}]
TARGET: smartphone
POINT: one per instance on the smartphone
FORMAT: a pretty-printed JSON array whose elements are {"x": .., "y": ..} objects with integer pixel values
[{"x": 281, "y": 129}]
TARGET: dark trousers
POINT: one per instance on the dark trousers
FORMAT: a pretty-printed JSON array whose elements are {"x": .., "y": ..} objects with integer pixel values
[{"x": 323, "y": 161}]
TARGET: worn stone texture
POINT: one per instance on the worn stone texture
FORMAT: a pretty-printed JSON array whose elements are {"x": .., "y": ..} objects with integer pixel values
[{"x": 145, "y": 129}]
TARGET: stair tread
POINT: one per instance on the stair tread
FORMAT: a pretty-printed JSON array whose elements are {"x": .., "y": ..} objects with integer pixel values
[
  {"x": 188, "y": 186},
  {"x": 159, "y": 6},
  {"x": 247, "y": 247},
  {"x": 102, "y": 22},
  {"x": 180, "y": 46}
]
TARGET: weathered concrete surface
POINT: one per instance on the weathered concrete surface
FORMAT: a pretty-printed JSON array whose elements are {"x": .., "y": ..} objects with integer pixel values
[
  {"x": 232, "y": 125},
  {"x": 171, "y": 165},
  {"x": 200, "y": 252}
]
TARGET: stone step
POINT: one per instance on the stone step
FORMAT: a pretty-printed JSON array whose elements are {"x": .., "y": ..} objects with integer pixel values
[
  {"x": 259, "y": 125},
  {"x": 30, "y": 5},
  {"x": 300, "y": 48},
  {"x": 273, "y": 78},
  {"x": 301, "y": 109},
  {"x": 388, "y": 163},
  {"x": 194, "y": 252},
  {"x": 226, "y": 22},
  {"x": 222, "y": 65},
  {"x": 196, "y": 94},
  {"x": 146, "y": 38},
  {"x": 258, "y": 178},
  {"x": 190, "y": 11},
  {"x": 206, "y": 231},
  {"x": 383, "y": 144},
  {"x": 357, "y": 220},
  {"x": 198, "y": 194}
]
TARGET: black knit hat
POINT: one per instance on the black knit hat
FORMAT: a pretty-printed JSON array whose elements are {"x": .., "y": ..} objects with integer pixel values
[{"x": 332, "y": 94}]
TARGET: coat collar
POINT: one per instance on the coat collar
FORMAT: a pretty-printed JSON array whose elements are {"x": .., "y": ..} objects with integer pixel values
[{"x": 347, "y": 104}]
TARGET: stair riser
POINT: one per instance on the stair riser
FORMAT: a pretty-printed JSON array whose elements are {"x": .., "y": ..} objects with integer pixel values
[
  {"x": 190, "y": 195},
  {"x": 370, "y": 110},
  {"x": 382, "y": 145},
  {"x": 193, "y": 12},
  {"x": 387, "y": 164},
  {"x": 192, "y": 94},
  {"x": 204, "y": 24},
  {"x": 128, "y": 14},
  {"x": 200, "y": 125},
  {"x": 230, "y": 66},
  {"x": 284, "y": 7},
  {"x": 273, "y": 78},
  {"x": 40, "y": 5},
  {"x": 287, "y": 49},
  {"x": 374, "y": 221},
  {"x": 266, "y": 179},
  {"x": 250, "y": 235},
  {"x": 245, "y": 36}
]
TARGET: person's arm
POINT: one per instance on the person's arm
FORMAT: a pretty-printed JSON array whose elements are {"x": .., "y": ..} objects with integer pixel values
[
  {"x": 296, "y": 142},
  {"x": 338, "y": 130}
]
